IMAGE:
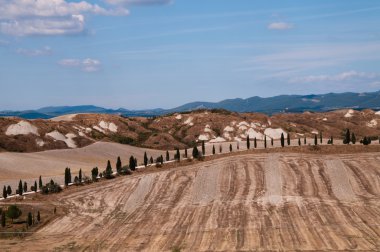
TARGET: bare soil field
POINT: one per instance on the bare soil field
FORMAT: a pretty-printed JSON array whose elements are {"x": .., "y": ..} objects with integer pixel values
[{"x": 252, "y": 202}]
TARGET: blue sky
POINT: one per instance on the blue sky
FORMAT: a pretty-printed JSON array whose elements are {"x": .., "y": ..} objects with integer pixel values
[{"x": 141, "y": 54}]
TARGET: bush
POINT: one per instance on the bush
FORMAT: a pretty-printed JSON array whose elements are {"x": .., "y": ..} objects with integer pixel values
[
  {"x": 51, "y": 187},
  {"x": 122, "y": 139},
  {"x": 13, "y": 212}
]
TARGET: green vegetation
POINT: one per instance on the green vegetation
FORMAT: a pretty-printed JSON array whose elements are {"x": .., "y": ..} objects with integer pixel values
[
  {"x": 20, "y": 188},
  {"x": 145, "y": 159},
  {"x": 3, "y": 218},
  {"x": 265, "y": 142},
  {"x": 108, "y": 172},
  {"x": 29, "y": 220},
  {"x": 282, "y": 140},
  {"x": 51, "y": 187},
  {"x": 67, "y": 176},
  {"x": 94, "y": 173},
  {"x": 13, "y": 212},
  {"x": 9, "y": 190},
  {"x": 203, "y": 148},
  {"x": 80, "y": 176},
  {"x": 132, "y": 163},
  {"x": 122, "y": 139},
  {"x": 347, "y": 137},
  {"x": 5, "y": 192},
  {"x": 353, "y": 138},
  {"x": 195, "y": 152},
  {"x": 40, "y": 183},
  {"x": 288, "y": 139}
]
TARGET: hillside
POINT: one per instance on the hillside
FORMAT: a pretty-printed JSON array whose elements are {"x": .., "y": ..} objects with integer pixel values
[
  {"x": 268, "y": 202},
  {"x": 178, "y": 130}
]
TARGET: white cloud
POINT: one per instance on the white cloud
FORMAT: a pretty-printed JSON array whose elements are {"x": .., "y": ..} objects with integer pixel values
[
  {"x": 86, "y": 65},
  {"x": 345, "y": 76},
  {"x": 48, "y": 17},
  {"x": 280, "y": 26},
  {"x": 35, "y": 52}
]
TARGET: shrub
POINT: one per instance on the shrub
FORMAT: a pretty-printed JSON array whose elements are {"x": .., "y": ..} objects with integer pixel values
[
  {"x": 51, "y": 187},
  {"x": 13, "y": 212}
]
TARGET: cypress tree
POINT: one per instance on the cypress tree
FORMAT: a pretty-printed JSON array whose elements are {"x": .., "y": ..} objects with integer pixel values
[
  {"x": 30, "y": 219},
  {"x": 162, "y": 160},
  {"x": 213, "y": 150},
  {"x": 265, "y": 141},
  {"x": 35, "y": 186},
  {"x": 271, "y": 141},
  {"x": 9, "y": 190},
  {"x": 151, "y": 160},
  {"x": 132, "y": 164},
  {"x": 145, "y": 159},
  {"x": 203, "y": 148},
  {"x": 332, "y": 140},
  {"x": 25, "y": 186},
  {"x": 315, "y": 139},
  {"x": 220, "y": 148},
  {"x": 40, "y": 183},
  {"x": 38, "y": 216},
  {"x": 255, "y": 143},
  {"x": 109, "y": 171},
  {"x": 238, "y": 146},
  {"x": 353, "y": 138},
  {"x": 248, "y": 143},
  {"x": 304, "y": 140},
  {"x": 320, "y": 137},
  {"x": 178, "y": 155},
  {"x": 230, "y": 147},
  {"x": 20, "y": 188},
  {"x": 288, "y": 139},
  {"x": 118, "y": 165},
  {"x": 282, "y": 140},
  {"x": 347, "y": 138},
  {"x": 167, "y": 156},
  {"x": 94, "y": 173},
  {"x": 70, "y": 176},
  {"x": 3, "y": 218},
  {"x": 66, "y": 176},
  {"x": 185, "y": 152},
  {"x": 299, "y": 141},
  {"x": 5, "y": 192},
  {"x": 80, "y": 176},
  {"x": 195, "y": 152}
]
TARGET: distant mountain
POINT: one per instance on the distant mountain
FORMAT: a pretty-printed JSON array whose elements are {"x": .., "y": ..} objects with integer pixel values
[
  {"x": 292, "y": 103},
  {"x": 271, "y": 105}
]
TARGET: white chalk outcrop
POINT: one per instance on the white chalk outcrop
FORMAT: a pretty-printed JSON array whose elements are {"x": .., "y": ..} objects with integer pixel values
[
  {"x": 68, "y": 139},
  {"x": 108, "y": 126},
  {"x": 274, "y": 133},
  {"x": 21, "y": 128}
]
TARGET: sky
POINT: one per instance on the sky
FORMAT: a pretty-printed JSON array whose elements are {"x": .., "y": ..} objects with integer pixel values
[{"x": 140, "y": 54}]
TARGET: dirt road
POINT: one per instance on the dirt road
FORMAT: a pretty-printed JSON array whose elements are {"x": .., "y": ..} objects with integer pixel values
[{"x": 251, "y": 202}]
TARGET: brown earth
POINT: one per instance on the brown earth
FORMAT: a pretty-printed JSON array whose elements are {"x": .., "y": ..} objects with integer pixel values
[
  {"x": 182, "y": 130},
  {"x": 252, "y": 202}
]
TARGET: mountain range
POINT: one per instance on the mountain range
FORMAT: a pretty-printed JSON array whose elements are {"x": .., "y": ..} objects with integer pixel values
[{"x": 269, "y": 106}]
